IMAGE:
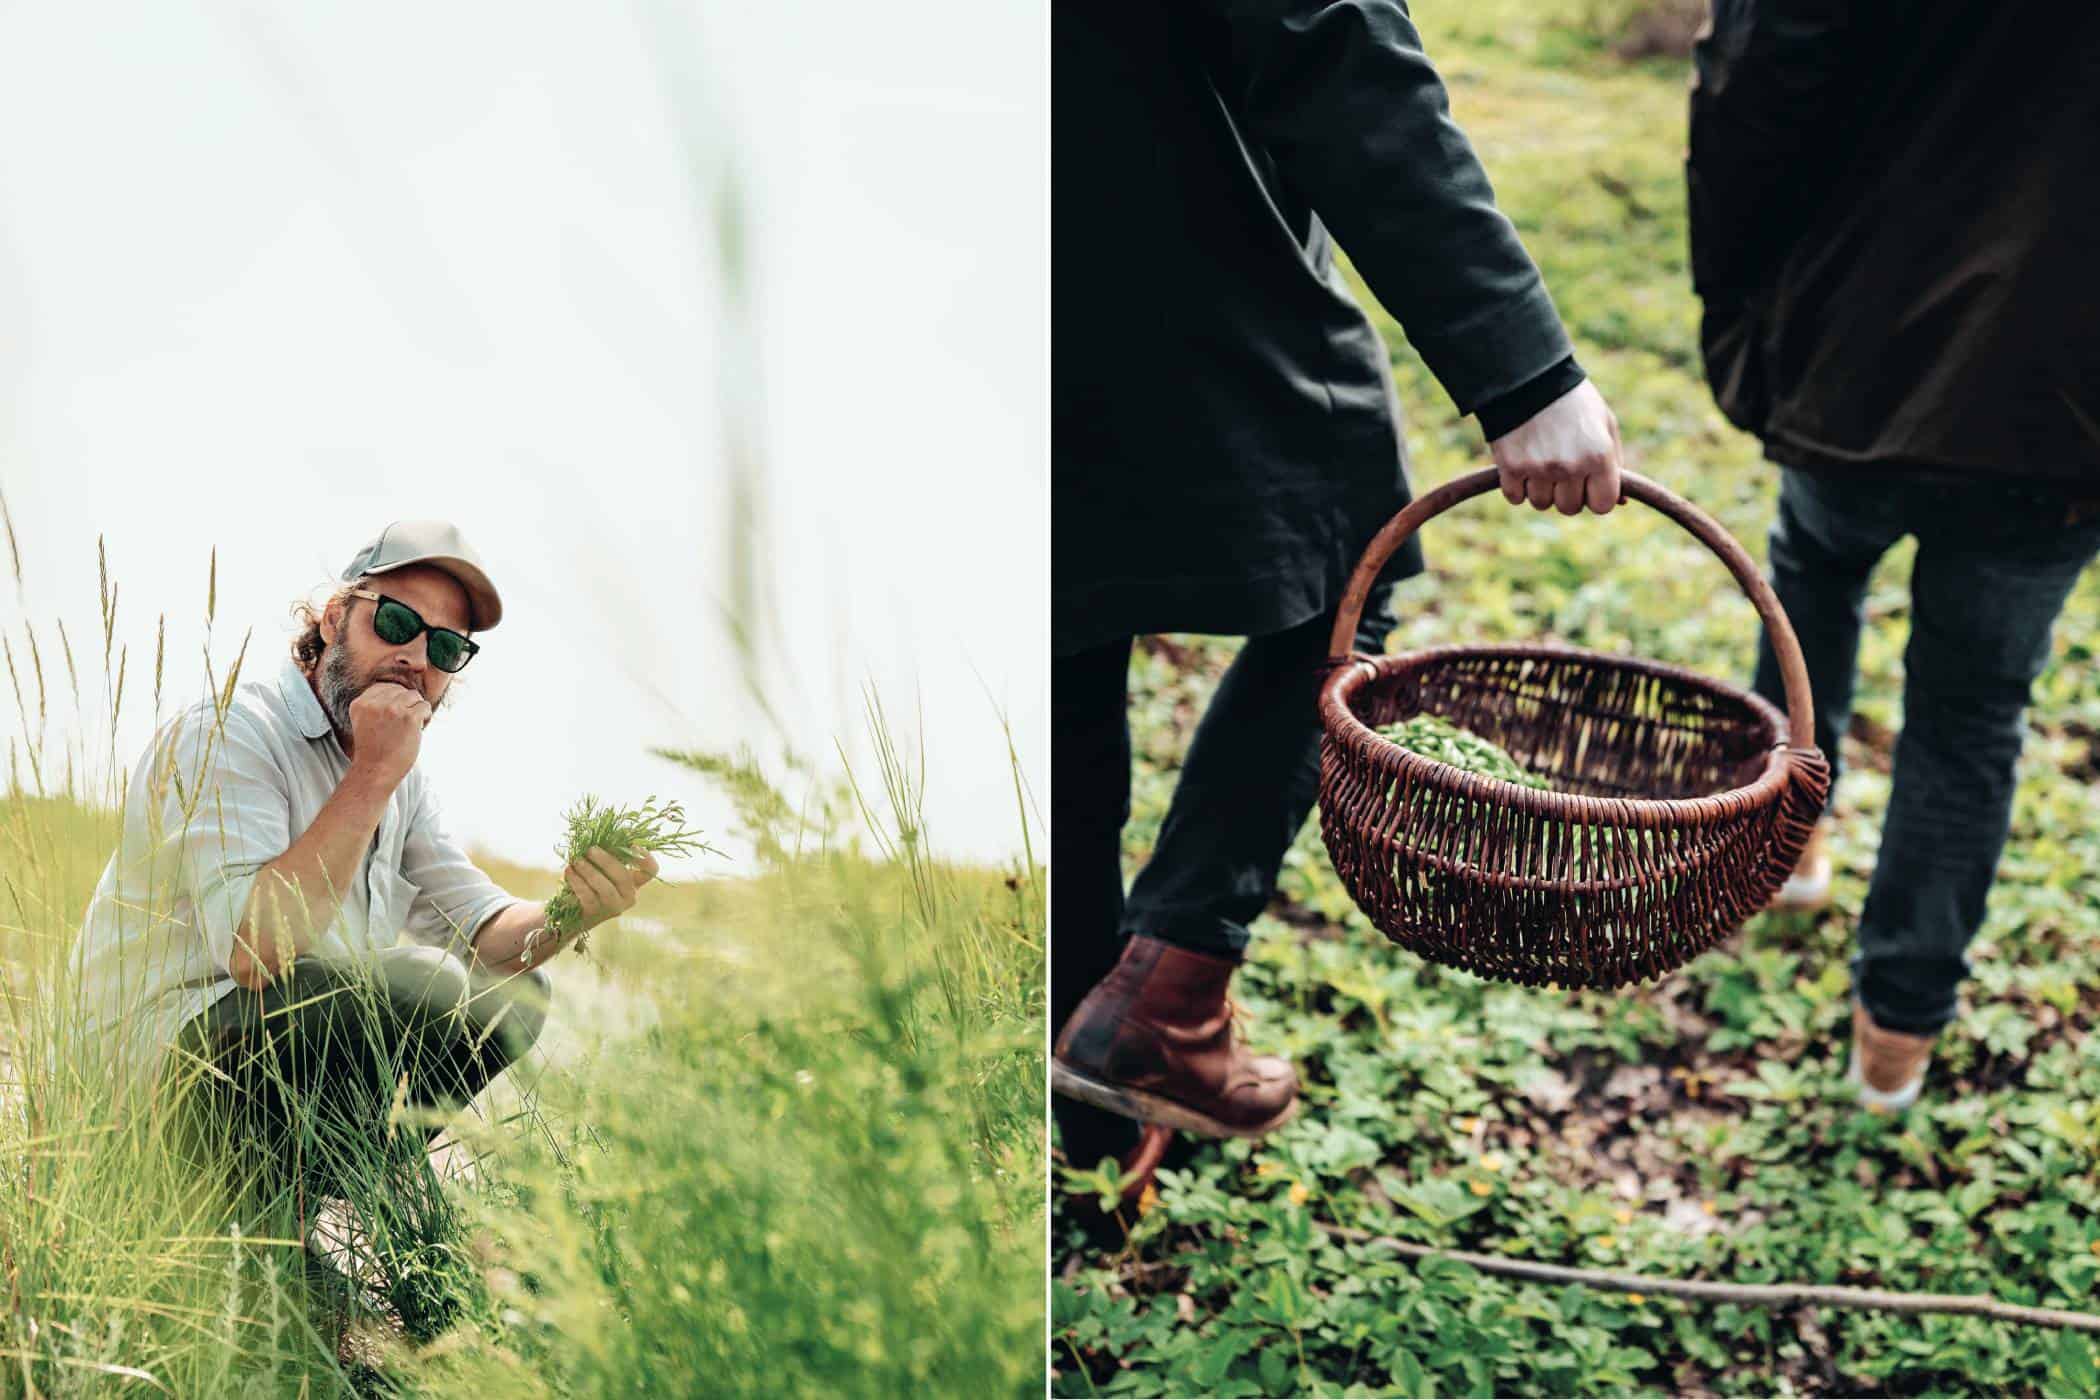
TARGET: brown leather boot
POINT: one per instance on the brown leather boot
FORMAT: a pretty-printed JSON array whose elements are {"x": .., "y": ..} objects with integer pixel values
[{"x": 1153, "y": 1041}]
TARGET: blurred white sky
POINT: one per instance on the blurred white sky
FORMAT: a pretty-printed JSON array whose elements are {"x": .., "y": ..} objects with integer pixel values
[{"x": 271, "y": 276}]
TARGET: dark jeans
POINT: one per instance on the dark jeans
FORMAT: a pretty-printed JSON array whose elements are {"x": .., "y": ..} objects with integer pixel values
[
  {"x": 1995, "y": 563},
  {"x": 319, "y": 1057},
  {"x": 1250, "y": 778}
]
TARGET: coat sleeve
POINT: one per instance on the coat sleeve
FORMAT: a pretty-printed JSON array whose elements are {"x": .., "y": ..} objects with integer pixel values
[
  {"x": 1345, "y": 99},
  {"x": 1769, "y": 87}
]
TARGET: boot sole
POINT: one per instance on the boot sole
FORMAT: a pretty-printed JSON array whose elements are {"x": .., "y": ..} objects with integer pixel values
[{"x": 1151, "y": 1108}]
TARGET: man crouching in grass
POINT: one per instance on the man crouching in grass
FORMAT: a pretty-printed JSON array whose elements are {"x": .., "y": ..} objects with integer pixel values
[{"x": 274, "y": 849}]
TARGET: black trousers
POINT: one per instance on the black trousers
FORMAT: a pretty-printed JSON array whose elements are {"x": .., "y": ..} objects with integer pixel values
[
  {"x": 1248, "y": 782},
  {"x": 306, "y": 1074},
  {"x": 1995, "y": 563}
]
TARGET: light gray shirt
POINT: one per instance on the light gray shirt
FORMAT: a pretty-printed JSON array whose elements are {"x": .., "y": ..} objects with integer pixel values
[{"x": 217, "y": 797}]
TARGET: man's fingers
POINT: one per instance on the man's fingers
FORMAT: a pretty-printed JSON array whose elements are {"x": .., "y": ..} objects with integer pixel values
[
  {"x": 397, "y": 696},
  {"x": 1602, "y": 490},
  {"x": 648, "y": 870},
  {"x": 411, "y": 704},
  {"x": 616, "y": 874},
  {"x": 589, "y": 888},
  {"x": 1596, "y": 486}
]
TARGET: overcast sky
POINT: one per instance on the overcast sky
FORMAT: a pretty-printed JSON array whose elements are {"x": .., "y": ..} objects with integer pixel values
[{"x": 272, "y": 276}]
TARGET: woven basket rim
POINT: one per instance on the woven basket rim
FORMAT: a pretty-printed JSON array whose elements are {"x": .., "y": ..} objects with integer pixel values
[{"x": 1340, "y": 722}]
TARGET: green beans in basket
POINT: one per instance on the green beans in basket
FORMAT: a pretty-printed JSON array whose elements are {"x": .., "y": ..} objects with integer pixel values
[{"x": 1445, "y": 742}]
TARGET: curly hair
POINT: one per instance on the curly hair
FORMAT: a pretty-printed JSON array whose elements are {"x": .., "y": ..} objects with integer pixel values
[{"x": 307, "y": 645}]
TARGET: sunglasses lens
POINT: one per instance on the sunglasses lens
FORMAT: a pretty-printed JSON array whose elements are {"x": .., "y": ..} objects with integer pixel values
[
  {"x": 446, "y": 651},
  {"x": 395, "y": 624}
]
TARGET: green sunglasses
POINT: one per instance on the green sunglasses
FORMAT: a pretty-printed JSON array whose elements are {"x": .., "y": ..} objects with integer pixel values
[{"x": 397, "y": 624}]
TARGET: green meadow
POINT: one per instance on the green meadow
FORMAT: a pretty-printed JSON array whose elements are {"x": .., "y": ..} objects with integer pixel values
[
  {"x": 783, "y": 1134},
  {"x": 1694, "y": 1128}
]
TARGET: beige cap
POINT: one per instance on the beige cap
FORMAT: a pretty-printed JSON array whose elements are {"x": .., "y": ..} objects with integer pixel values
[{"x": 439, "y": 544}]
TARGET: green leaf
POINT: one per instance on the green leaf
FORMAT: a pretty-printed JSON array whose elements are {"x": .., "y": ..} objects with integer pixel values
[
  {"x": 2071, "y": 1368},
  {"x": 1275, "y": 1371}
]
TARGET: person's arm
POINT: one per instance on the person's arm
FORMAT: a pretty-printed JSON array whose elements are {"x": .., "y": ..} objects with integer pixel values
[
  {"x": 221, "y": 812},
  {"x": 298, "y": 894},
  {"x": 1770, "y": 86},
  {"x": 515, "y": 938},
  {"x": 1346, "y": 100}
]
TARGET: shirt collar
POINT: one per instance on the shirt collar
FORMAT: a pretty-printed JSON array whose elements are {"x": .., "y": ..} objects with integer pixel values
[{"x": 300, "y": 702}]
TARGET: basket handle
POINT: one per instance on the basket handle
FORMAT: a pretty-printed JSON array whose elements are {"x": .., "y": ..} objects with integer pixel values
[{"x": 1800, "y": 711}]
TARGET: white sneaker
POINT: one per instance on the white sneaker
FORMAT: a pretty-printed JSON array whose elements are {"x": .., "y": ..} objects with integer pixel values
[
  {"x": 1810, "y": 890},
  {"x": 1809, "y": 886},
  {"x": 1873, "y": 1098}
]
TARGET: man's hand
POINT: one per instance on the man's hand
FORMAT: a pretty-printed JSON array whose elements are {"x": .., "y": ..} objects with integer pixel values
[
  {"x": 603, "y": 887},
  {"x": 1565, "y": 455},
  {"x": 386, "y": 731}
]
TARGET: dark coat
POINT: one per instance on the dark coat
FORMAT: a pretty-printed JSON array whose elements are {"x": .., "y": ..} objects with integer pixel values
[
  {"x": 1225, "y": 436},
  {"x": 1895, "y": 223}
]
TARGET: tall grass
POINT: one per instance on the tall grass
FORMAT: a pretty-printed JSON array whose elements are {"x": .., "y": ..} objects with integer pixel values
[
  {"x": 121, "y": 1261},
  {"x": 783, "y": 1136}
]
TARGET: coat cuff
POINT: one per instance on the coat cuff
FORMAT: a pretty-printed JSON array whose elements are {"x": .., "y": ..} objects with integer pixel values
[{"x": 1506, "y": 412}]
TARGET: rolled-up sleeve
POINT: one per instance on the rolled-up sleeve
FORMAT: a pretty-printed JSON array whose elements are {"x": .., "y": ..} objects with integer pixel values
[
  {"x": 453, "y": 896},
  {"x": 224, "y": 812}
]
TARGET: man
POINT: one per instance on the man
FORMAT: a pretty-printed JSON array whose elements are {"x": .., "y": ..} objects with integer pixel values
[
  {"x": 1893, "y": 219},
  {"x": 1225, "y": 443},
  {"x": 274, "y": 847}
]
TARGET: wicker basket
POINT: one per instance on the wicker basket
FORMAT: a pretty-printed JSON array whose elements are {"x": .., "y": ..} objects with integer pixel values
[{"x": 1680, "y": 803}]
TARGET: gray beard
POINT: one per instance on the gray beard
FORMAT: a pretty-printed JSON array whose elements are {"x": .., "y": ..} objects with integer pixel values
[{"x": 338, "y": 687}]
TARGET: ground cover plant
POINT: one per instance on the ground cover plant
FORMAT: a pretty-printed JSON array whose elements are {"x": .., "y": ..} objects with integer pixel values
[
  {"x": 1694, "y": 1128},
  {"x": 783, "y": 1134}
]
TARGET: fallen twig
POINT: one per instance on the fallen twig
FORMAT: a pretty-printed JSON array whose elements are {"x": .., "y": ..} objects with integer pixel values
[{"x": 1756, "y": 1295}]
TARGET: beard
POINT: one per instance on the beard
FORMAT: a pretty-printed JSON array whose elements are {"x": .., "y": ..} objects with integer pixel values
[{"x": 339, "y": 685}]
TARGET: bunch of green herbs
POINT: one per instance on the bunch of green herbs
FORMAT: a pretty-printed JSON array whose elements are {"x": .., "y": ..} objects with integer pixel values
[{"x": 626, "y": 833}]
